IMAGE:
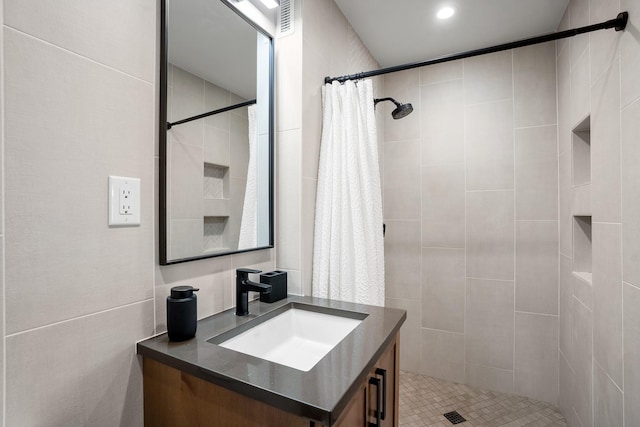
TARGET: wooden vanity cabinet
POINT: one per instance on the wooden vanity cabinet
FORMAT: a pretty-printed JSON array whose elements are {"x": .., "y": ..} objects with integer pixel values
[
  {"x": 384, "y": 379},
  {"x": 173, "y": 398}
]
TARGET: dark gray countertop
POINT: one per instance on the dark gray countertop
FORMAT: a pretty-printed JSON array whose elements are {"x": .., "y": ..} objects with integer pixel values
[{"x": 319, "y": 394}]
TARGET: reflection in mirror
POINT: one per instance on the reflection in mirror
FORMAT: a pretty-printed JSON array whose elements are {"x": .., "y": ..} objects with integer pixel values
[{"x": 216, "y": 133}]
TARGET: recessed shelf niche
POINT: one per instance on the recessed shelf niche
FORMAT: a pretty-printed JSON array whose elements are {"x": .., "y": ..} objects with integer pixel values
[
  {"x": 581, "y": 152},
  {"x": 214, "y": 234},
  {"x": 582, "y": 247},
  {"x": 216, "y": 181}
]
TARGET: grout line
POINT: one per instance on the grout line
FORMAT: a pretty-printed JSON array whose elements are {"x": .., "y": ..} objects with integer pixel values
[
  {"x": 466, "y": 213},
  {"x": 537, "y": 314},
  {"x": 515, "y": 211},
  {"x": 493, "y": 280},
  {"x": 631, "y": 284},
  {"x": 537, "y": 126},
  {"x": 442, "y": 330},
  {"x": 150, "y": 83},
  {"x": 3, "y": 314},
  {"x": 440, "y": 81},
  {"x": 605, "y": 372},
  {"x": 79, "y": 317},
  {"x": 487, "y": 191},
  {"x": 573, "y": 297}
]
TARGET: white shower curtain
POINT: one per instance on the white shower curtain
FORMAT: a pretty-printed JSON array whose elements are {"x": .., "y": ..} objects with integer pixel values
[
  {"x": 249, "y": 224},
  {"x": 348, "y": 256}
]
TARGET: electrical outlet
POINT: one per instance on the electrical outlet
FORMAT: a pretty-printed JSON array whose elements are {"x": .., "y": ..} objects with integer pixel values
[{"x": 124, "y": 201}]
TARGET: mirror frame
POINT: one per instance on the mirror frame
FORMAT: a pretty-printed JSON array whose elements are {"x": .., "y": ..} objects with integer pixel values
[{"x": 162, "y": 141}]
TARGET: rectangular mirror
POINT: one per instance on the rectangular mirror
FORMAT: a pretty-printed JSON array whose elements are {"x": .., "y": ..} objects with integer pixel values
[{"x": 216, "y": 132}]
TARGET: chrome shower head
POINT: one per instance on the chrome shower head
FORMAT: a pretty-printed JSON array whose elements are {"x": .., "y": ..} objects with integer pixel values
[{"x": 402, "y": 110}]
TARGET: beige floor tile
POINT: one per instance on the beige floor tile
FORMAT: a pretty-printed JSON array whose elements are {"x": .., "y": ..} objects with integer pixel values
[{"x": 424, "y": 400}]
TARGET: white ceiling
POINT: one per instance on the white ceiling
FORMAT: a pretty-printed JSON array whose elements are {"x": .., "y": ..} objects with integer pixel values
[{"x": 405, "y": 31}]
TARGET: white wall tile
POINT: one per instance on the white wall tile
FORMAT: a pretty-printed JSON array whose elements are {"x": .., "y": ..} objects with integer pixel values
[
  {"x": 565, "y": 204},
  {"x": 442, "y": 122},
  {"x": 565, "y": 386},
  {"x": 441, "y": 72},
  {"x": 490, "y": 235},
  {"x": 402, "y": 260},
  {"x": 536, "y": 357},
  {"x": 607, "y": 292},
  {"x": 607, "y": 400},
  {"x": 486, "y": 377},
  {"x": 488, "y": 77},
  {"x": 288, "y": 79},
  {"x": 563, "y": 75},
  {"x": 566, "y": 309},
  {"x": 489, "y": 323},
  {"x": 489, "y": 146},
  {"x": 537, "y": 266},
  {"x": 313, "y": 75},
  {"x": 410, "y": 335},
  {"x": 579, "y": 17},
  {"x": 603, "y": 45},
  {"x": 605, "y": 146},
  {"x": 402, "y": 172},
  {"x": 630, "y": 194},
  {"x": 186, "y": 186},
  {"x": 58, "y": 240},
  {"x": 631, "y": 355},
  {"x": 443, "y": 289},
  {"x": 442, "y": 355},
  {"x": 536, "y": 173},
  {"x": 580, "y": 93},
  {"x": 2, "y": 341},
  {"x": 89, "y": 29},
  {"x": 582, "y": 358},
  {"x": 534, "y": 85},
  {"x": 288, "y": 199},
  {"x": 307, "y": 229},
  {"x": 93, "y": 383},
  {"x": 443, "y": 206},
  {"x": 630, "y": 60}
]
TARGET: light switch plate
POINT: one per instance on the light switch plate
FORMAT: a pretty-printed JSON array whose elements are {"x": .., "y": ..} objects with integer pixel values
[{"x": 124, "y": 201}]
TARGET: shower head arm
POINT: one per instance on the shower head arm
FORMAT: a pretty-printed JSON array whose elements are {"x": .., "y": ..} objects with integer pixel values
[{"x": 375, "y": 101}]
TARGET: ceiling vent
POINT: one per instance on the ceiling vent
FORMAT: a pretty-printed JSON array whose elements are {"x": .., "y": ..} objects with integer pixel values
[{"x": 285, "y": 18}]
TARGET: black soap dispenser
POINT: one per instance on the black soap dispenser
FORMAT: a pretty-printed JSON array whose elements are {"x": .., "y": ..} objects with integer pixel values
[{"x": 182, "y": 313}]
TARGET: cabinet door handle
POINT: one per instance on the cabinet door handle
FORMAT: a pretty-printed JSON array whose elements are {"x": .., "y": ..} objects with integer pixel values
[
  {"x": 376, "y": 382},
  {"x": 383, "y": 374}
]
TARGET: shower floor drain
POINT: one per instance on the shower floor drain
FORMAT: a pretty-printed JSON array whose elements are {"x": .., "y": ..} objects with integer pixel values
[{"x": 454, "y": 417}]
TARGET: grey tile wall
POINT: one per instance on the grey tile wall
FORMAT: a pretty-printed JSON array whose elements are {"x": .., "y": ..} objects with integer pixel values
[
  {"x": 597, "y": 76},
  {"x": 487, "y": 194}
]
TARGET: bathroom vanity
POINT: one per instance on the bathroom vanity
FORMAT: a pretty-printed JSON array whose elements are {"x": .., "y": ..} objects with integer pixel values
[{"x": 201, "y": 382}]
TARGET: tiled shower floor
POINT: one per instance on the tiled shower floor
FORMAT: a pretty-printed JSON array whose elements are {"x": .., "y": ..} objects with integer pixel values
[{"x": 423, "y": 400}]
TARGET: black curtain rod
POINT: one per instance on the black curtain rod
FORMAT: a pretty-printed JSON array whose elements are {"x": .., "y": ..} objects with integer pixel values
[
  {"x": 211, "y": 113},
  {"x": 619, "y": 23}
]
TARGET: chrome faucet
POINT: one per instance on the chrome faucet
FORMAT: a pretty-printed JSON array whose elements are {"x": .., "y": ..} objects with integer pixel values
[{"x": 243, "y": 286}]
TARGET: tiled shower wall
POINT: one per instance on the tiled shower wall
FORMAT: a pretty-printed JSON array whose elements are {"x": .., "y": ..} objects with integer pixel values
[
  {"x": 598, "y": 78},
  {"x": 471, "y": 207},
  {"x": 221, "y": 139}
]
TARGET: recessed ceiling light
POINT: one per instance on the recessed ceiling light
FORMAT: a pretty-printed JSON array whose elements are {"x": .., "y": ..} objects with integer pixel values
[
  {"x": 271, "y": 4},
  {"x": 445, "y": 12}
]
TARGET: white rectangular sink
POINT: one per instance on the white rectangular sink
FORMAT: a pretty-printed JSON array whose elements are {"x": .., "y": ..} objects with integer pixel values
[{"x": 296, "y": 338}]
